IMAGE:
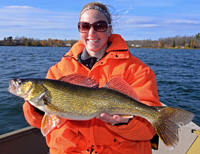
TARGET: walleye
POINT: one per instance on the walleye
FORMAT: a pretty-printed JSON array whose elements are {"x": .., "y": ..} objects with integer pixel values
[{"x": 78, "y": 98}]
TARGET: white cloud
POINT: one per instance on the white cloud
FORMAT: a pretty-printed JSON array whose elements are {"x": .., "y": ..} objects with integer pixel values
[
  {"x": 19, "y": 7},
  {"x": 149, "y": 21},
  {"x": 15, "y": 10},
  {"x": 22, "y": 20},
  {"x": 155, "y": 27}
]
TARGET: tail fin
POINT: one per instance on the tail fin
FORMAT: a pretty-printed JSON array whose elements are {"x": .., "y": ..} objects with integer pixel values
[{"x": 170, "y": 120}]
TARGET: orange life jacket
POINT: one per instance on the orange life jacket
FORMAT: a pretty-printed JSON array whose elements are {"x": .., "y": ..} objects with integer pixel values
[{"x": 95, "y": 135}]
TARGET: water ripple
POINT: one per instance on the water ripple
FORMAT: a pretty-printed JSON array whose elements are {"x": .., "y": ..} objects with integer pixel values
[{"x": 27, "y": 62}]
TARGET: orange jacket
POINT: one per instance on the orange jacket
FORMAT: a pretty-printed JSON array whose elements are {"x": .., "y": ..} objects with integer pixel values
[{"x": 82, "y": 136}]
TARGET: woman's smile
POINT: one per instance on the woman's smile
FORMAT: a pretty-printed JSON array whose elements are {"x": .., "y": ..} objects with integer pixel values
[{"x": 91, "y": 40}]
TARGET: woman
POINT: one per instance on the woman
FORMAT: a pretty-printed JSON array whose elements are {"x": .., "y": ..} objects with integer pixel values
[{"x": 101, "y": 56}]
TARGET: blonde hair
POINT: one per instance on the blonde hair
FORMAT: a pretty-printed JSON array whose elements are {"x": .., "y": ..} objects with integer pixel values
[{"x": 97, "y": 6}]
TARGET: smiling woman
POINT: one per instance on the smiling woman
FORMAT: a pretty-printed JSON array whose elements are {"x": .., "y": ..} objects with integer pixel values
[
  {"x": 95, "y": 41},
  {"x": 101, "y": 55}
]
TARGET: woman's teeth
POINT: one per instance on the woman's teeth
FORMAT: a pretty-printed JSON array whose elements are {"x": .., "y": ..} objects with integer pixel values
[{"x": 96, "y": 40}]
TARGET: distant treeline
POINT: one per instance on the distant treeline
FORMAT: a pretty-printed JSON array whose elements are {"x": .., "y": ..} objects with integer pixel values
[
  {"x": 23, "y": 41},
  {"x": 169, "y": 42}
]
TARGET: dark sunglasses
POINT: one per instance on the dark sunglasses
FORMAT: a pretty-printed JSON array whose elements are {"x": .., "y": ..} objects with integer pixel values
[{"x": 99, "y": 26}]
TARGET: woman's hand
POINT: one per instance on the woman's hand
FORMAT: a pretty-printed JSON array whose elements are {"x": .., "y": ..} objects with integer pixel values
[{"x": 113, "y": 120}]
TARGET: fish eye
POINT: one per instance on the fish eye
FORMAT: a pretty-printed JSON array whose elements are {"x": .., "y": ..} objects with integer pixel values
[{"x": 19, "y": 81}]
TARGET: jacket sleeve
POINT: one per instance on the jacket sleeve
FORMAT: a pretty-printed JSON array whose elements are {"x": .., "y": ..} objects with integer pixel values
[
  {"x": 31, "y": 115},
  {"x": 137, "y": 129},
  {"x": 143, "y": 82}
]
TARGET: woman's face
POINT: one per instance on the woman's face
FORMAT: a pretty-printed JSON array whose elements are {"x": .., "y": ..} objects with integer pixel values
[{"x": 94, "y": 41}]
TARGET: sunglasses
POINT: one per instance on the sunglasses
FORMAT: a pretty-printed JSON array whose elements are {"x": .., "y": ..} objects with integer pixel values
[{"x": 99, "y": 26}]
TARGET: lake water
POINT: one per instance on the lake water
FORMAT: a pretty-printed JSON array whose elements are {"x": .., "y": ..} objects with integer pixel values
[{"x": 177, "y": 72}]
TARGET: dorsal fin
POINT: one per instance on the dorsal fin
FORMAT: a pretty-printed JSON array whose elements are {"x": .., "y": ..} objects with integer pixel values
[
  {"x": 80, "y": 80},
  {"x": 119, "y": 84}
]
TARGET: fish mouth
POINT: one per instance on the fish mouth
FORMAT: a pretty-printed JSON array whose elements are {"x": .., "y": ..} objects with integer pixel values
[{"x": 12, "y": 87}]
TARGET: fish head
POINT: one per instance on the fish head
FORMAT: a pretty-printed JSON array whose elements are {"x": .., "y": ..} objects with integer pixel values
[{"x": 20, "y": 87}]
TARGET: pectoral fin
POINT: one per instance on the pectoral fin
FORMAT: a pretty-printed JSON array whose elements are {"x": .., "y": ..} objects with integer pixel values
[
  {"x": 62, "y": 121},
  {"x": 49, "y": 122}
]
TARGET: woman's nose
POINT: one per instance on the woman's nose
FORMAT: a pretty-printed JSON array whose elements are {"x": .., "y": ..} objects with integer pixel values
[{"x": 91, "y": 31}]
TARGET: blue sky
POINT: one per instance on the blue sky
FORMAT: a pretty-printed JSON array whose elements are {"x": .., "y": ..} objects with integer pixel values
[{"x": 133, "y": 19}]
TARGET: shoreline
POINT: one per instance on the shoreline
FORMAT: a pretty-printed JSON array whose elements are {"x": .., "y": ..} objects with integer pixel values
[{"x": 128, "y": 47}]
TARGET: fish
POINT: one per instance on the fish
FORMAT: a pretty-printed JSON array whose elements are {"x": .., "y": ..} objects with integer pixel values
[{"x": 76, "y": 97}]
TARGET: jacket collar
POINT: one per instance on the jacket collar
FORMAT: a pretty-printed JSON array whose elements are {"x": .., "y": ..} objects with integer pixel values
[{"x": 117, "y": 49}]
